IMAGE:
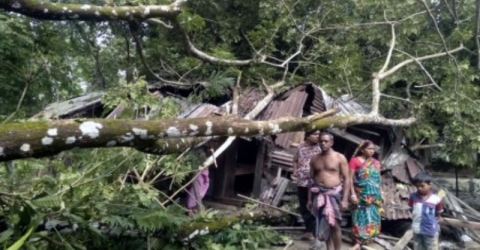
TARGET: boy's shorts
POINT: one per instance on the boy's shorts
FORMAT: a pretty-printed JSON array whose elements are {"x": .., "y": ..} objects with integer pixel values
[{"x": 425, "y": 242}]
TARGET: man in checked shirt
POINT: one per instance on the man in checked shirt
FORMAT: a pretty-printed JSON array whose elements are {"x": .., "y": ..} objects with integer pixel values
[{"x": 301, "y": 172}]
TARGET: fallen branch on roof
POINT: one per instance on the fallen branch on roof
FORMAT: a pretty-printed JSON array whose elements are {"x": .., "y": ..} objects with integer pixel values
[
  {"x": 46, "y": 138},
  {"x": 252, "y": 114},
  {"x": 46, "y": 10}
]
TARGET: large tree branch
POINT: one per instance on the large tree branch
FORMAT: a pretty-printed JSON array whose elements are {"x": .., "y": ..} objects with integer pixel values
[
  {"x": 418, "y": 59},
  {"x": 376, "y": 77},
  {"x": 383, "y": 72},
  {"x": 87, "y": 12},
  {"x": 204, "y": 56},
  {"x": 46, "y": 138}
]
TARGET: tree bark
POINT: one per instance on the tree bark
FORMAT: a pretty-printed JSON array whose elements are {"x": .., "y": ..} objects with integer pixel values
[
  {"x": 86, "y": 12},
  {"x": 46, "y": 138},
  {"x": 186, "y": 232},
  {"x": 195, "y": 229}
]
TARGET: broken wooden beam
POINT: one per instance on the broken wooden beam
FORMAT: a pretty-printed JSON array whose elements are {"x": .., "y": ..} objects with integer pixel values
[
  {"x": 456, "y": 223},
  {"x": 402, "y": 243}
]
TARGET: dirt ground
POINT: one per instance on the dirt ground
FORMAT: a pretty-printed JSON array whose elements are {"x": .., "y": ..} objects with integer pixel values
[{"x": 305, "y": 245}]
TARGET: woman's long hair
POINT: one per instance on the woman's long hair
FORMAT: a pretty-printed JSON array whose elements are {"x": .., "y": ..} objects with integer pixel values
[{"x": 361, "y": 146}]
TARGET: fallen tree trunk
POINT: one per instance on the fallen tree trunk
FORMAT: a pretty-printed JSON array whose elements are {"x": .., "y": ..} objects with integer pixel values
[
  {"x": 185, "y": 232},
  {"x": 45, "y": 10},
  {"x": 46, "y": 138},
  {"x": 202, "y": 228}
]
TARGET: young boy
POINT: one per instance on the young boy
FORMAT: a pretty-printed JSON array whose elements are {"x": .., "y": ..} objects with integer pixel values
[{"x": 426, "y": 208}]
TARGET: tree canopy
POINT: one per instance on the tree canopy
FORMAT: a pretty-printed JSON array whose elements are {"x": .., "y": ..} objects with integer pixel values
[{"x": 344, "y": 47}]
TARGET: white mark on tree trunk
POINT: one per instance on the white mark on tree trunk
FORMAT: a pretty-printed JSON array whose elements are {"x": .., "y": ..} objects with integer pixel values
[
  {"x": 147, "y": 11},
  {"x": 173, "y": 131},
  {"x": 209, "y": 127},
  {"x": 114, "y": 13},
  {"x": 246, "y": 130},
  {"x": 91, "y": 129},
  {"x": 25, "y": 147},
  {"x": 111, "y": 143},
  {"x": 45, "y": 10},
  {"x": 127, "y": 137},
  {"x": 85, "y": 7},
  {"x": 97, "y": 13},
  {"x": 193, "y": 127},
  {"x": 230, "y": 131},
  {"x": 1, "y": 152},
  {"x": 52, "y": 132},
  {"x": 275, "y": 128},
  {"x": 70, "y": 140},
  {"x": 47, "y": 140},
  {"x": 140, "y": 132},
  {"x": 192, "y": 235},
  {"x": 204, "y": 231}
]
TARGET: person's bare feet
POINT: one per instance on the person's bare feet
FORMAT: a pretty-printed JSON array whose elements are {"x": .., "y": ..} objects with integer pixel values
[
  {"x": 308, "y": 236},
  {"x": 356, "y": 247}
]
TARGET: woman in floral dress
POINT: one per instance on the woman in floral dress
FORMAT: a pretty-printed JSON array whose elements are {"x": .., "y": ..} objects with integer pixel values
[{"x": 366, "y": 195}]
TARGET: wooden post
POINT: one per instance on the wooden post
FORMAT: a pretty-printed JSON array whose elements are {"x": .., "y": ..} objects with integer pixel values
[{"x": 257, "y": 181}]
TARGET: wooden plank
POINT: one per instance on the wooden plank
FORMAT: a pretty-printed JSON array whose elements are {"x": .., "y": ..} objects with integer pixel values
[
  {"x": 402, "y": 243},
  {"x": 282, "y": 186},
  {"x": 257, "y": 181},
  {"x": 412, "y": 167},
  {"x": 456, "y": 223}
]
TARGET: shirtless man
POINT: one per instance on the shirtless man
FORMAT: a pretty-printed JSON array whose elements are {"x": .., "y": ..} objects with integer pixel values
[{"x": 329, "y": 192}]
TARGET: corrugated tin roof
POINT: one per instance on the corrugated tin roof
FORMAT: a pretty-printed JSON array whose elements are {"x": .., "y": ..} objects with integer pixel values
[
  {"x": 198, "y": 110},
  {"x": 248, "y": 100},
  {"x": 63, "y": 108},
  {"x": 290, "y": 103},
  {"x": 345, "y": 103}
]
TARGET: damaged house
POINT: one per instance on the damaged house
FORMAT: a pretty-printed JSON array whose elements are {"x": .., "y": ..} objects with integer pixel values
[{"x": 261, "y": 166}]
